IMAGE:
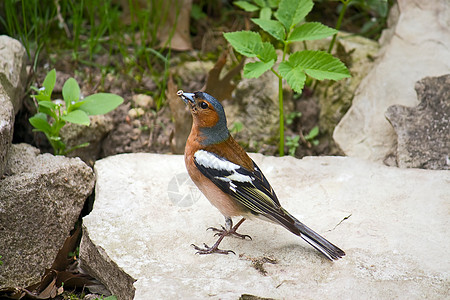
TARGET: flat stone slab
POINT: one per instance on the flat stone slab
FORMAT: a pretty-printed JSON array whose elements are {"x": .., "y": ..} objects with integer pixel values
[{"x": 392, "y": 223}]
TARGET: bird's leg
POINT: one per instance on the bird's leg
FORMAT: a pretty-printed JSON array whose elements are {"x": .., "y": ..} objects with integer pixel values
[
  {"x": 229, "y": 229},
  {"x": 225, "y": 231}
]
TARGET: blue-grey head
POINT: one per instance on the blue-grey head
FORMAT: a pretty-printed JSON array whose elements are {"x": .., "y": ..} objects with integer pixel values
[{"x": 208, "y": 115}]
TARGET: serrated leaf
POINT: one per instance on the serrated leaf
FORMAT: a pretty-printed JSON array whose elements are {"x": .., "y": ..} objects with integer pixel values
[
  {"x": 77, "y": 117},
  {"x": 273, "y": 27},
  {"x": 319, "y": 65},
  {"x": 260, "y": 3},
  {"x": 256, "y": 69},
  {"x": 246, "y": 6},
  {"x": 291, "y": 12},
  {"x": 101, "y": 103},
  {"x": 39, "y": 122},
  {"x": 247, "y": 43},
  {"x": 295, "y": 77},
  {"x": 267, "y": 53},
  {"x": 310, "y": 31},
  {"x": 49, "y": 83},
  {"x": 265, "y": 13},
  {"x": 273, "y": 3},
  {"x": 71, "y": 91}
]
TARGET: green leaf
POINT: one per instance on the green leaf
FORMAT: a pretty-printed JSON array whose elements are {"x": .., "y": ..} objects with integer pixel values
[
  {"x": 77, "y": 117},
  {"x": 291, "y": 12},
  {"x": 313, "y": 133},
  {"x": 247, "y": 43},
  {"x": 295, "y": 77},
  {"x": 75, "y": 106},
  {"x": 246, "y": 6},
  {"x": 256, "y": 69},
  {"x": 47, "y": 104},
  {"x": 267, "y": 53},
  {"x": 310, "y": 31},
  {"x": 39, "y": 121},
  {"x": 71, "y": 91},
  {"x": 49, "y": 83},
  {"x": 319, "y": 65},
  {"x": 47, "y": 111},
  {"x": 273, "y": 3},
  {"x": 101, "y": 103},
  {"x": 42, "y": 97},
  {"x": 273, "y": 27},
  {"x": 265, "y": 13},
  {"x": 260, "y": 3}
]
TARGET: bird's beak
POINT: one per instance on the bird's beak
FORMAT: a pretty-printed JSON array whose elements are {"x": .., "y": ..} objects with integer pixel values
[{"x": 188, "y": 98}]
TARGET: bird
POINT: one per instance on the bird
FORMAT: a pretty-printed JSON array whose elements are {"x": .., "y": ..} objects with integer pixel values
[{"x": 231, "y": 180}]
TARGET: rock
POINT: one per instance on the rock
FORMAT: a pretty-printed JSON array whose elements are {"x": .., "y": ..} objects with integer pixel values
[
  {"x": 143, "y": 101},
  {"x": 12, "y": 81},
  {"x": 416, "y": 46},
  {"x": 6, "y": 127},
  {"x": 136, "y": 112},
  {"x": 13, "y": 69},
  {"x": 335, "y": 98},
  {"x": 75, "y": 134},
  {"x": 146, "y": 217},
  {"x": 255, "y": 106},
  {"x": 41, "y": 197},
  {"x": 424, "y": 131}
]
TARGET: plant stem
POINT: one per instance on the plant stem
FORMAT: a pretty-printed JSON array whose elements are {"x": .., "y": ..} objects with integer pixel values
[
  {"x": 339, "y": 22},
  {"x": 280, "y": 104},
  {"x": 281, "y": 111}
]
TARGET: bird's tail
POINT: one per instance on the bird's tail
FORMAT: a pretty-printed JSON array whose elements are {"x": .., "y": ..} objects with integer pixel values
[{"x": 311, "y": 237}]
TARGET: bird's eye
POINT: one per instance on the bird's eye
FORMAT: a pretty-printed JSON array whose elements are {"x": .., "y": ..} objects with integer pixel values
[{"x": 203, "y": 105}]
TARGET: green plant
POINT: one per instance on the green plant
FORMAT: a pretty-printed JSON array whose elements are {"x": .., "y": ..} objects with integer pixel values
[
  {"x": 1, "y": 261},
  {"x": 290, "y": 117},
  {"x": 264, "y": 6},
  {"x": 287, "y": 29},
  {"x": 311, "y": 137},
  {"x": 292, "y": 142},
  {"x": 374, "y": 11},
  {"x": 53, "y": 115},
  {"x": 236, "y": 127}
]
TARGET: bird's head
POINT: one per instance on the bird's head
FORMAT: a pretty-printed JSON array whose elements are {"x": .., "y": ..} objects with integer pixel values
[{"x": 209, "y": 116}]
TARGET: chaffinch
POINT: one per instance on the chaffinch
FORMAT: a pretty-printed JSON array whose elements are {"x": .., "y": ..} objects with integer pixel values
[{"x": 231, "y": 180}]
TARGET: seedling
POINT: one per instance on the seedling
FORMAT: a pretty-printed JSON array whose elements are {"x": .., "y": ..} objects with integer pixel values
[{"x": 53, "y": 115}]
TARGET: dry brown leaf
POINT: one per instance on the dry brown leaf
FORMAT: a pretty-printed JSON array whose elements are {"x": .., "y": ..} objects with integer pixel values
[
  {"x": 221, "y": 88},
  {"x": 180, "y": 116}
]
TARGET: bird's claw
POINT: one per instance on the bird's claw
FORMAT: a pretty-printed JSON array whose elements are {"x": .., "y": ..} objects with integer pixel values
[
  {"x": 210, "y": 250},
  {"x": 225, "y": 232}
]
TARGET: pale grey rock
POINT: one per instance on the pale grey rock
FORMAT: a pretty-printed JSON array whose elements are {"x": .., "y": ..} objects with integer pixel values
[
  {"x": 424, "y": 131},
  {"x": 6, "y": 127},
  {"x": 13, "y": 69},
  {"x": 415, "y": 47},
  {"x": 41, "y": 197},
  {"x": 393, "y": 224},
  {"x": 75, "y": 134}
]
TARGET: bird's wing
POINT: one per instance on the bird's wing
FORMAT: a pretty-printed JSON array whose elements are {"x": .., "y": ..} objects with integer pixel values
[{"x": 250, "y": 188}]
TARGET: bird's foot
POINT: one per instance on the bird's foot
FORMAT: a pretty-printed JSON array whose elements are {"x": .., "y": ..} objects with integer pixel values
[
  {"x": 232, "y": 231},
  {"x": 211, "y": 250}
]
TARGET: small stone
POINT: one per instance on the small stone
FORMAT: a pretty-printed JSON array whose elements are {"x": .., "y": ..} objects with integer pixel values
[
  {"x": 144, "y": 101},
  {"x": 136, "y": 112}
]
